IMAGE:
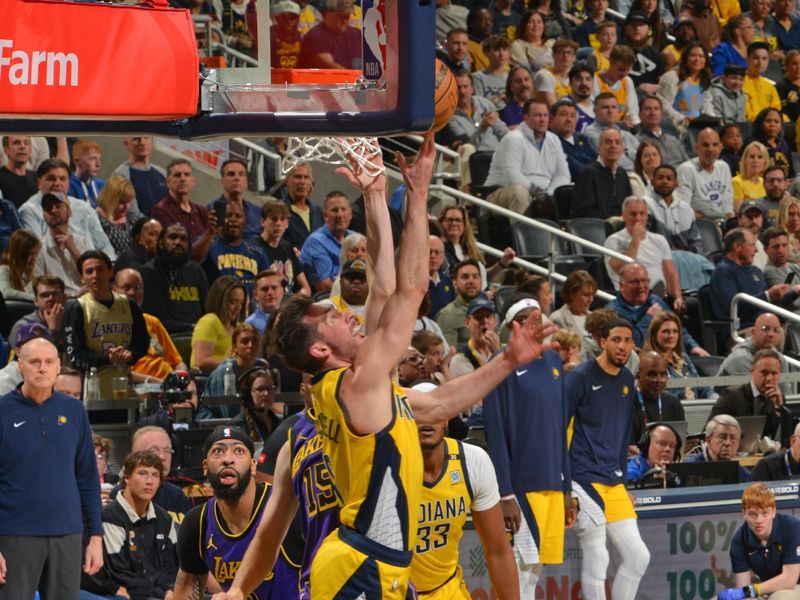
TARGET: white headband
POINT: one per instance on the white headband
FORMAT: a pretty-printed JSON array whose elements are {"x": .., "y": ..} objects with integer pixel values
[{"x": 518, "y": 307}]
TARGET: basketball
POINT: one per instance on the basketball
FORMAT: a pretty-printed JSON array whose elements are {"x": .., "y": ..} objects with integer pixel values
[{"x": 446, "y": 96}]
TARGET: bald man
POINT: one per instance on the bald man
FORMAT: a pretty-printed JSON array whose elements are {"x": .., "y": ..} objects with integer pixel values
[
  {"x": 47, "y": 490},
  {"x": 162, "y": 356},
  {"x": 440, "y": 288},
  {"x": 704, "y": 182},
  {"x": 653, "y": 402},
  {"x": 592, "y": 197}
]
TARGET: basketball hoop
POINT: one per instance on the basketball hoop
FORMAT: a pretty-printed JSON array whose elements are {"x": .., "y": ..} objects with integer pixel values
[{"x": 334, "y": 151}]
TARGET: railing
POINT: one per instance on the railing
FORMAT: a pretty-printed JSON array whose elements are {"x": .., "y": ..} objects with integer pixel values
[
  {"x": 538, "y": 269},
  {"x": 233, "y": 58},
  {"x": 763, "y": 304},
  {"x": 552, "y": 231}
]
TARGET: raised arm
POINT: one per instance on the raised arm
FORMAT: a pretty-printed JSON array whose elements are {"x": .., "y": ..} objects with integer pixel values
[
  {"x": 380, "y": 249},
  {"x": 380, "y": 353},
  {"x": 263, "y": 550},
  {"x": 458, "y": 394}
]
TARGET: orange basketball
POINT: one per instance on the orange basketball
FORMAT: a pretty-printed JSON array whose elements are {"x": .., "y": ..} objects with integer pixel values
[{"x": 446, "y": 96}]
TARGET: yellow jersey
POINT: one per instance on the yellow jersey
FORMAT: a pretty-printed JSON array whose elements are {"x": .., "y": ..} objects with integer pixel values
[
  {"x": 619, "y": 89},
  {"x": 377, "y": 477},
  {"x": 761, "y": 93},
  {"x": 443, "y": 513},
  {"x": 562, "y": 91}
]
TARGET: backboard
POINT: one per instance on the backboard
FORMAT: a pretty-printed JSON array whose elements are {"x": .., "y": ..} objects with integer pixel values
[{"x": 247, "y": 86}]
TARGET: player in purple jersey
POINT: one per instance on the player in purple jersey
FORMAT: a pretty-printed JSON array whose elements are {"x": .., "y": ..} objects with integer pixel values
[
  {"x": 313, "y": 488},
  {"x": 214, "y": 537}
]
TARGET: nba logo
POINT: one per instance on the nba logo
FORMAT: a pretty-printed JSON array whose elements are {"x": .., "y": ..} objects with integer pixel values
[{"x": 373, "y": 36}]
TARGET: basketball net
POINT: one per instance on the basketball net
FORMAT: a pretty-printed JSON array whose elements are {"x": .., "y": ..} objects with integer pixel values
[{"x": 358, "y": 153}]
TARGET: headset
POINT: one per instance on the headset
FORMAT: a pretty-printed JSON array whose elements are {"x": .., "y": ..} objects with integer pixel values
[
  {"x": 644, "y": 442},
  {"x": 243, "y": 387}
]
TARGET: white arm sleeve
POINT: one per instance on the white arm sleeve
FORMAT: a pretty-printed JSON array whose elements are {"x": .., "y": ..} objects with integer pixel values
[{"x": 479, "y": 467}]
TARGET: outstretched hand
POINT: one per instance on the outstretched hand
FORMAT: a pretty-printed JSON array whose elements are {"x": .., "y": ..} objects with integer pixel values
[
  {"x": 527, "y": 341},
  {"x": 417, "y": 175},
  {"x": 361, "y": 180}
]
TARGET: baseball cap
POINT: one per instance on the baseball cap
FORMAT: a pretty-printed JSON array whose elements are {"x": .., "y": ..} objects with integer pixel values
[
  {"x": 51, "y": 197},
  {"x": 516, "y": 308},
  {"x": 285, "y": 6},
  {"x": 357, "y": 266},
  {"x": 224, "y": 432},
  {"x": 636, "y": 17},
  {"x": 750, "y": 204},
  {"x": 31, "y": 331},
  {"x": 480, "y": 304}
]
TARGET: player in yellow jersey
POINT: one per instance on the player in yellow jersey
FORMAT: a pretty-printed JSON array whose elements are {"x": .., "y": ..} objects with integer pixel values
[
  {"x": 459, "y": 478},
  {"x": 369, "y": 436}
]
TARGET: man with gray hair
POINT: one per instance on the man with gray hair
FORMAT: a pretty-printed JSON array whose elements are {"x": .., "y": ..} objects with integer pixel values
[
  {"x": 761, "y": 395},
  {"x": 651, "y": 250},
  {"x": 767, "y": 335},
  {"x": 723, "y": 436}
]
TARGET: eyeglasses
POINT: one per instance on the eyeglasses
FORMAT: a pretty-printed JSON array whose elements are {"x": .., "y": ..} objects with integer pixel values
[
  {"x": 265, "y": 389},
  {"x": 768, "y": 329},
  {"x": 565, "y": 51},
  {"x": 452, "y": 220},
  {"x": 730, "y": 437},
  {"x": 413, "y": 359}
]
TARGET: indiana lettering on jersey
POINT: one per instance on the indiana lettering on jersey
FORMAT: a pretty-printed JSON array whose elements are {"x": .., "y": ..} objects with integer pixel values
[
  {"x": 443, "y": 509},
  {"x": 328, "y": 427},
  {"x": 100, "y": 329},
  {"x": 237, "y": 261},
  {"x": 403, "y": 409},
  {"x": 225, "y": 570},
  {"x": 184, "y": 293}
]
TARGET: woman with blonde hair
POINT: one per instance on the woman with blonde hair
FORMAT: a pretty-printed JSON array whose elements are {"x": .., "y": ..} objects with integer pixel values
[
  {"x": 16, "y": 268},
  {"x": 665, "y": 336},
  {"x": 113, "y": 204},
  {"x": 749, "y": 183},
  {"x": 460, "y": 244},
  {"x": 789, "y": 221},
  {"x": 225, "y": 308}
]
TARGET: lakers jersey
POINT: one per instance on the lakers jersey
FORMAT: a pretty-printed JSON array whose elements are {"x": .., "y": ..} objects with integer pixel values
[
  {"x": 313, "y": 488},
  {"x": 562, "y": 89},
  {"x": 377, "y": 477},
  {"x": 105, "y": 327},
  {"x": 223, "y": 551},
  {"x": 442, "y": 515}
]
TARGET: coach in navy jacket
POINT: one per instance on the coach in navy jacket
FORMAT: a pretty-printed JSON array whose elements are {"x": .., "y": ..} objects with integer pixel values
[{"x": 49, "y": 486}]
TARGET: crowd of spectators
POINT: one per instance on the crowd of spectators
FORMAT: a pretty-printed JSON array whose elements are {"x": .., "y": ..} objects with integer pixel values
[{"x": 657, "y": 120}]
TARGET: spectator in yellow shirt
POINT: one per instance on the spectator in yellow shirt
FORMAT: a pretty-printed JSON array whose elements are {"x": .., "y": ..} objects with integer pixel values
[
  {"x": 749, "y": 183},
  {"x": 761, "y": 92}
]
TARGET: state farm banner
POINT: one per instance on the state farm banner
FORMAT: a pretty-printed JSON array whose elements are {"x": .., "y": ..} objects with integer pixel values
[{"x": 67, "y": 59}]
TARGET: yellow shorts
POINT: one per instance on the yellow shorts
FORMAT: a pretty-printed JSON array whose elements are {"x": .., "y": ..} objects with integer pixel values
[
  {"x": 455, "y": 589},
  {"x": 340, "y": 569},
  {"x": 605, "y": 503},
  {"x": 548, "y": 512}
]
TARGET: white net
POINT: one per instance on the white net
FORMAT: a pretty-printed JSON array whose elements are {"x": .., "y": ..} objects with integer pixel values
[{"x": 359, "y": 153}]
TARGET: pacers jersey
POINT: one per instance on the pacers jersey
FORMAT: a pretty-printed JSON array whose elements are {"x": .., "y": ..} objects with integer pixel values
[
  {"x": 442, "y": 515},
  {"x": 562, "y": 90},
  {"x": 619, "y": 89},
  {"x": 223, "y": 551},
  {"x": 377, "y": 476},
  {"x": 313, "y": 487}
]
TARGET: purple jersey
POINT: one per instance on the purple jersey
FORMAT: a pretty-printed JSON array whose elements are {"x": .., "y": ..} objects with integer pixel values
[
  {"x": 313, "y": 487},
  {"x": 223, "y": 552}
]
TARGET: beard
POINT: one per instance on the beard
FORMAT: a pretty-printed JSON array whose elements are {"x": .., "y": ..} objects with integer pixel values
[{"x": 230, "y": 493}]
